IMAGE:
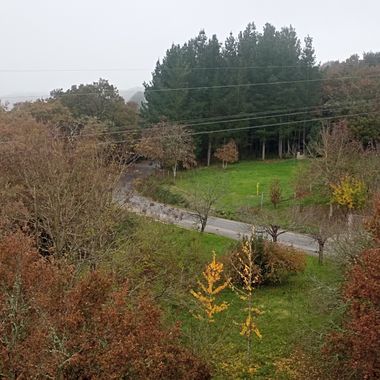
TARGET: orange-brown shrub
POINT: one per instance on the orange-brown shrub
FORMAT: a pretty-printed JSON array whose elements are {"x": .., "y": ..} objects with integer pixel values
[
  {"x": 54, "y": 325},
  {"x": 357, "y": 346},
  {"x": 274, "y": 262}
]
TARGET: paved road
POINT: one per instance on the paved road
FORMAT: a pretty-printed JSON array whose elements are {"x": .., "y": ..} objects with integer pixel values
[{"x": 184, "y": 218}]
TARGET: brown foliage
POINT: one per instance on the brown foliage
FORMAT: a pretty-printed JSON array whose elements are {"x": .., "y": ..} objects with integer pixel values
[
  {"x": 275, "y": 192},
  {"x": 228, "y": 153},
  {"x": 358, "y": 345},
  {"x": 273, "y": 262},
  {"x": 361, "y": 90},
  {"x": 55, "y": 325},
  {"x": 169, "y": 144},
  {"x": 52, "y": 113},
  {"x": 336, "y": 154},
  {"x": 61, "y": 190}
]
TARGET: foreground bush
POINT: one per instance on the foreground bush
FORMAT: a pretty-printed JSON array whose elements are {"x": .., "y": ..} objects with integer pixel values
[
  {"x": 56, "y": 326},
  {"x": 274, "y": 262},
  {"x": 357, "y": 346}
]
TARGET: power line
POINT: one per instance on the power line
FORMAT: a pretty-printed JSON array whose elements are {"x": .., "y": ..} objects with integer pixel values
[
  {"x": 284, "y": 123},
  {"x": 262, "y": 126},
  {"x": 123, "y": 69},
  {"x": 244, "y": 128},
  {"x": 180, "y": 68},
  {"x": 223, "y": 121},
  {"x": 227, "y": 86},
  {"x": 227, "y": 119},
  {"x": 273, "y": 111},
  {"x": 259, "y": 84}
]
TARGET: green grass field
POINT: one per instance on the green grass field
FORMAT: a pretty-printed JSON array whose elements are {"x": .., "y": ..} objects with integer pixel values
[
  {"x": 245, "y": 183},
  {"x": 292, "y": 312}
]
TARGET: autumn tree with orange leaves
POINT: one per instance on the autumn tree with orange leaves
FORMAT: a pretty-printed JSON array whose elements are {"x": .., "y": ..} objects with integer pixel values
[
  {"x": 228, "y": 153},
  {"x": 169, "y": 144}
]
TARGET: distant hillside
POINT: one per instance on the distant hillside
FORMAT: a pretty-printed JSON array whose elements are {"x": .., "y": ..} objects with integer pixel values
[
  {"x": 135, "y": 94},
  {"x": 138, "y": 98}
]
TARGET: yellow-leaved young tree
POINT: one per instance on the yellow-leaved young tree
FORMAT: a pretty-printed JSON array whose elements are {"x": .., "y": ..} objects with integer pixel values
[
  {"x": 350, "y": 193},
  {"x": 209, "y": 290},
  {"x": 247, "y": 270}
]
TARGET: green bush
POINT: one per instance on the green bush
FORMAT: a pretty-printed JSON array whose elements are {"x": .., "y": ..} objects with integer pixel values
[
  {"x": 274, "y": 263},
  {"x": 157, "y": 189},
  {"x": 153, "y": 260}
]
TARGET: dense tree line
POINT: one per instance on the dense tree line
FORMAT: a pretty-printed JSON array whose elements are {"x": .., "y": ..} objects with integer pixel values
[
  {"x": 226, "y": 81},
  {"x": 267, "y": 80},
  {"x": 263, "y": 88}
]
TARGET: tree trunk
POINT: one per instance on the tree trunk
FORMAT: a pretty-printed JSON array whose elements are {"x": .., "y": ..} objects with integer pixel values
[
  {"x": 321, "y": 245},
  {"x": 175, "y": 172},
  {"x": 331, "y": 211},
  {"x": 209, "y": 151},
  {"x": 303, "y": 140},
  {"x": 350, "y": 222},
  {"x": 279, "y": 146},
  {"x": 299, "y": 141},
  {"x": 263, "y": 150},
  {"x": 288, "y": 147},
  {"x": 203, "y": 224}
]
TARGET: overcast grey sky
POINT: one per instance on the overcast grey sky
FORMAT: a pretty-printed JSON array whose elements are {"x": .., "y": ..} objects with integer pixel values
[{"x": 123, "y": 34}]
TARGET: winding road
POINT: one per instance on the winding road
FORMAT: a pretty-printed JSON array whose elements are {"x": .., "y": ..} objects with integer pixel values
[{"x": 184, "y": 218}]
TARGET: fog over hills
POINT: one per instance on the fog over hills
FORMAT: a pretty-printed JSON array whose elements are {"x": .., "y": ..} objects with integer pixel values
[
  {"x": 18, "y": 97},
  {"x": 134, "y": 94}
]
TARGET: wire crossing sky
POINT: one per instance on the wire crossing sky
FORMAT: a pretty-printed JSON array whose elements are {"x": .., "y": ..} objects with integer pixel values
[{"x": 49, "y": 44}]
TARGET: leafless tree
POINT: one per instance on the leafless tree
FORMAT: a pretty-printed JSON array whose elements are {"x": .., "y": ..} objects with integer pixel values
[
  {"x": 318, "y": 224},
  {"x": 271, "y": 223},
  {"x": 336, "y": 153},
  {"x": 203, "y": 197}
]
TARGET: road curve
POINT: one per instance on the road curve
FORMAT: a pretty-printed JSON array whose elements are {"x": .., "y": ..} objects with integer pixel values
[{"x": 186, "y": 219}]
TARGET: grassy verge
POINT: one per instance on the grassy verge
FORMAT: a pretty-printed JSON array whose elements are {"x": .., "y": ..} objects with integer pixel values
[
  {"x": 246, "y": 182},
  {"x": 292, "y": 312},
  {"x": 246, "y": 188}
]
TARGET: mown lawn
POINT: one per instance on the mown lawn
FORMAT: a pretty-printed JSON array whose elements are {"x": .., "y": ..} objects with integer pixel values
[
  {"x": 290, "y": 317},
  {"x": 292, "y": 312},
  {"x": 246, "y": 183}
]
